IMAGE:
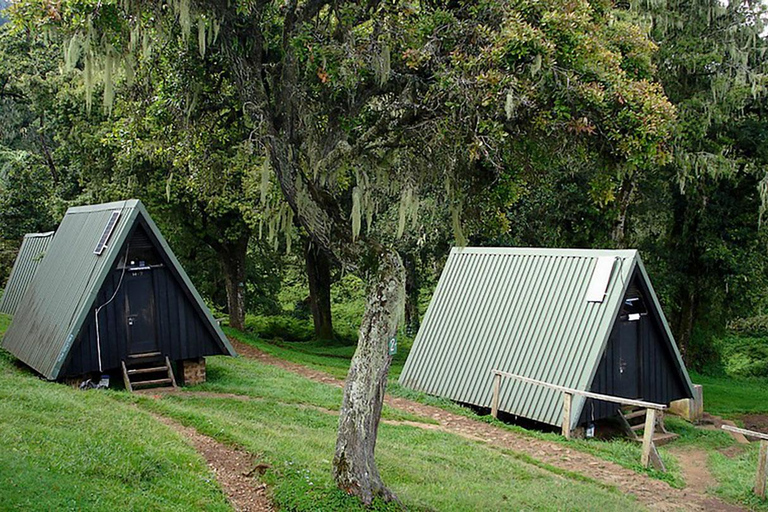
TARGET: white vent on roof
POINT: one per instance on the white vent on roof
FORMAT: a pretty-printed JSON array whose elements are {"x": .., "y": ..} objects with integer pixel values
[
  {"x": 111, "y": 223},
  {"x": 600, "y": 278}
]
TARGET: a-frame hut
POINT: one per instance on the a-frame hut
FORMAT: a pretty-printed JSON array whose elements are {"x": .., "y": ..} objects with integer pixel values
[
  {"x": 31, "y": 253},
  {"x": 582, "y": 319},
  {"x": 111, "y": 297}
]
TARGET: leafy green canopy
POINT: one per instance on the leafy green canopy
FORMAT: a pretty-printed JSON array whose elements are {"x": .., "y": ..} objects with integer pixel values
[{"x": 386, "y": 100}]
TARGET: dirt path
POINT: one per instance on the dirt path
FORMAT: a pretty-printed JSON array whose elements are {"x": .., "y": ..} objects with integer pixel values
[
  {"x": 654, "y": 494},
  {"x": 234, "y": 469}
]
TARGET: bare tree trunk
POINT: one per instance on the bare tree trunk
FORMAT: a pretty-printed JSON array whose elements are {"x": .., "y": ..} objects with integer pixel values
[
  {"x": 619, "y": 234},
  {"x": 233, "y": 262},
  {"x": 686, "y": 321},
  {"x": 411, "y": 294},
  {"x": 354, "y": 467},
  {"x": 319, "y": 275}
]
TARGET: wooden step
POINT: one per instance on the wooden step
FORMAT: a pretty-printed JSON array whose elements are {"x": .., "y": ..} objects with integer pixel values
[
  {"x": 151, "y": 382},
  {"x": 660, "y": 439},
  {"x": 156, "y": 369},
  {"x": 640, "y": 426},
  {"x": 635, "y": 414},
  {"x": 145, "y": 355},
  {"x": 146, "y": 364}
]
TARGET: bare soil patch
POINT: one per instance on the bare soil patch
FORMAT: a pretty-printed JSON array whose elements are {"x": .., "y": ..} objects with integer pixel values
[
  {"x": 235, "y": 470},
  {"x": 654, "y": 494},
  {"x": 756, "y": 422}
]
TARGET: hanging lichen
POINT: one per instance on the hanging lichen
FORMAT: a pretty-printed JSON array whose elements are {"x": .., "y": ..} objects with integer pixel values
[
  {"x": 356, "y": 212},
  {"x": 201, "y": 41},
  {"x": 266, "y": 173},
  {"x": 88, "y": 81},
  {"x": 72, "y": 52},
  {"x": 762, "y": 189},
  {"x": 185, "y": 17},
  {"x": 109, "y": 87},
  {"x": 382, "y": 65}
]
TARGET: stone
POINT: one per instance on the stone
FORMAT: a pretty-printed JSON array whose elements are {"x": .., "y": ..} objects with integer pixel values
[
  {"x": 691, "y": 409},
  {"x": 192, "y": 371}
]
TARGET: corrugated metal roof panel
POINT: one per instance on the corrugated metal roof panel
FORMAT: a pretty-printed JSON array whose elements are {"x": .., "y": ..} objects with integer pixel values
[
  {"x": 519, "y": 310},
  {"x": 65, "y": 286},
  {"x": 30, "y": 255}
]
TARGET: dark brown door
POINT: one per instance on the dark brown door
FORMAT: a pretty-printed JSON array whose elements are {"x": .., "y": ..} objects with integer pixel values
[
  {"x": 628, "y": 382},
  {"x": 140, "y": 313}
]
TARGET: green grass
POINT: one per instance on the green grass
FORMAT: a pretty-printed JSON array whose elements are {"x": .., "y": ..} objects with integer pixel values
[
  {"x": 429, "y": 470},
  {"x": 331, "y": 357},
  {"x": 735, "y": 475},
  {"x": 243, "y": 377},
  {"x": 729, "y": 397},
  {"x": 334, "y": 359},
  {"x": 63, "y": 449},
  {"x": 723, "y": 396}
]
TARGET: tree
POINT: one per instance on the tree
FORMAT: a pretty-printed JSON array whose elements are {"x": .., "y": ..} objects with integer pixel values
[
  {"x": 711, "y": 62},
  {"x": 360, "y": 105},
  {"x": 318, "y": 267}
]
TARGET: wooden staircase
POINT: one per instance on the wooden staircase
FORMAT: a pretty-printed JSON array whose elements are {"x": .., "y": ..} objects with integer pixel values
[
  {"x": 148, "y": 370},
  {"x": 633, "y": 419}
]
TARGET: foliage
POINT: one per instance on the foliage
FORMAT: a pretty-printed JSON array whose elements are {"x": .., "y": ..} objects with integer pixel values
[{"x": 705, "y": 205}]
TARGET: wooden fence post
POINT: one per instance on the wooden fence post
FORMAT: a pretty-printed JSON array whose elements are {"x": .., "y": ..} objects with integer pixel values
[
  {"x": 495, "y": 401},
  {"x": 650, "y": 427},
  {"x": 762, "y": 469},
  {"x": 567, "y": 400}
]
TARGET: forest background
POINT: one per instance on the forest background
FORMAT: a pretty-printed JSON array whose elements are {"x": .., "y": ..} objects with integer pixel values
[{"x": 169, "y": 128}]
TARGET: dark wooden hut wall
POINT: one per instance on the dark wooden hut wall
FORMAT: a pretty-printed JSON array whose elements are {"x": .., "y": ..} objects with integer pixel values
[
  {"x": 181, "y": 330},
  {"x": 660, "y": 379}
]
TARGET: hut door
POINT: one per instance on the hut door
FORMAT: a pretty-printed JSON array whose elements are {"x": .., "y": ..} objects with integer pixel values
[
  {"x": 628, "y": 372},
  {"x": 140, "y": 313}
]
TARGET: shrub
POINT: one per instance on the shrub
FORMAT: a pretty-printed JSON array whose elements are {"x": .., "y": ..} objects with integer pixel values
[
  {"x": 282, "y": 327},
  {"x": 744, "y": 356}
]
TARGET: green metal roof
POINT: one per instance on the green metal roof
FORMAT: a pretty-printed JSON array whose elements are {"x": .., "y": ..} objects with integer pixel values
[
  {"x": 31, "y": 253},
  {"x": 523, "y": 311},
  {"x": 63, "y": 291}
]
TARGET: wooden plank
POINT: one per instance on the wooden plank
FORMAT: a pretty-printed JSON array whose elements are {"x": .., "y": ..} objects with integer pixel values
[
  {"x": 126, "y": 380},
  {"x": 495, "y": 401},
  {"x": 745, "y": 432},
  {"x": 762, "y": 469},
  {"x": 627, "y": 426},
  {"x": 588, "y": 394},
  {"x": 567, "y": 400},
  {"x": 170, "y": 372},
  {"x": 650, "y": 426}
]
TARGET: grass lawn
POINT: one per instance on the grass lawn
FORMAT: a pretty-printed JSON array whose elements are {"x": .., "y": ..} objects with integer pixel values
[
  {"x": 331, "y": 357},
  {"x": 428, "y": 470},
  {"x": 63, "y": 449},
  {"x": 100, "y": 450},
  {"x": 732, "y": 468},
  {"x": 728, "y": 397}
]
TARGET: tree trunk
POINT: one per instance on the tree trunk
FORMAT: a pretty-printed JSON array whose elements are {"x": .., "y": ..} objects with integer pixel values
[
  {"x": 354, "y": 467},
  {"x": 686, "y": 321},
  {"x": 233, "y": 262},
  {"x": 411, "y": 294},
  {"x": 319, "y": 276},
  {"x": 619, "y": 234}
]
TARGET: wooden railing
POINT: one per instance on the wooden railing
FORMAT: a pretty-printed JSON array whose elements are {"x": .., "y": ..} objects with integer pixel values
[
  {"x": 568, "y": 393},
  {"x": 762, "y": 459}
]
